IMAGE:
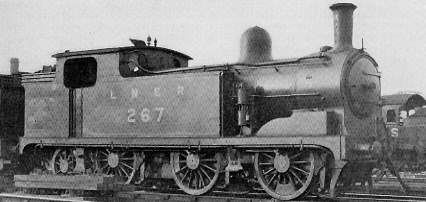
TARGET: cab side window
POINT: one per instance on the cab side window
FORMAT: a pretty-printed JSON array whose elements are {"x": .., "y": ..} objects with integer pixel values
[
  {"x": 391, "y": 116},
  {"x": 80, "y": 72}
]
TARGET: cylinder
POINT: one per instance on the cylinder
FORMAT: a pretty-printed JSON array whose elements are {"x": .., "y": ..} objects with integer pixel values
[
  {"x": 14, "y": 66},
  {"x": 343, "y": 25}
]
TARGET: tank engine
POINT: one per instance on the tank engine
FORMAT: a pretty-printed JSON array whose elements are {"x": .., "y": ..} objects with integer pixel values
[{"x": 140, "y": 113}]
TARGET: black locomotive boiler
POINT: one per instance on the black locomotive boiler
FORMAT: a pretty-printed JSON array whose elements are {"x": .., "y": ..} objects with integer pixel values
[{"x": 140, "y": 113}]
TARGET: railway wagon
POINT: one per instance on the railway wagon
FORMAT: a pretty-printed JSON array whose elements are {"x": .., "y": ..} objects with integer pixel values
[
  {"x": 12, "y": 126},
  {"x": 406, "y": 125},
  {"x": 11, "y": 118},
  {"x": 140, "y": 112}
]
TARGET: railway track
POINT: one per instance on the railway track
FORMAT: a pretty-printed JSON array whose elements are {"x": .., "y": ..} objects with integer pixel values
[
  {"x": 21, "y": 197},
  {"x": 378, "y": 197},
  {"x": 142, "y": 196},
  {"x": 172, "y": 193}
]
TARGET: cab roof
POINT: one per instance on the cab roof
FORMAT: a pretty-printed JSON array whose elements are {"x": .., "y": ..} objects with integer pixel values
[{"x": 119, "y": 49}]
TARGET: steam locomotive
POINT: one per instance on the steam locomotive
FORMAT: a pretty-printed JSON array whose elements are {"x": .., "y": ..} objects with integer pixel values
[{"x": 140, "y": 112}]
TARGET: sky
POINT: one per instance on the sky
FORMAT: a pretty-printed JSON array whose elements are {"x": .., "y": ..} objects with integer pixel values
[{"x": 394, "y": 32}]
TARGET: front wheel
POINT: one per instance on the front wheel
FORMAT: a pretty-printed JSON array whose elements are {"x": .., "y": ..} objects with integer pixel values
[{"x": 285, "y": 174}]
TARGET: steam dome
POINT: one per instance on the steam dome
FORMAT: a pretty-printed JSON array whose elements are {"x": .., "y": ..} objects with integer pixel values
[{"x": 255, "y": 46}]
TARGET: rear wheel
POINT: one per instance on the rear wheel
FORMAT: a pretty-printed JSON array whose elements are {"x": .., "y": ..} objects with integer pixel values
[
  {"x": 285, "y": 174},
  {"x": 63, "y": 161}
]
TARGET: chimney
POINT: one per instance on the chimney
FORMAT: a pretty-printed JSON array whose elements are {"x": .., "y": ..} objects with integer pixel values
[
  {"x": 342, "y": 14},
  {"x": 14, "y": 66}
]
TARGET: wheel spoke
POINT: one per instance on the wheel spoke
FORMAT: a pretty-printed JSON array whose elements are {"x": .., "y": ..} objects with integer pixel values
[
  {"x": 297, "y": 177},
  {"x": 122, "y": 154},
  {"x": 208, "y": 167},
  {"x": 190, "y": 178},
  {"x": 208, "y": 160},
  {"x": 266, "y": 164},
  {"x": 120, "y": 173},
  {"x": 292, "y": 183},
  {"x": 196, "y": 179},
  {"x": 185, "y": 175},
  {"x": 267, "y": 155},
  {"x": 300, "y": 162},
  {"x": 269, "y": 171},
  {"x": 272, "y": 178},
  {"x": 124, "y": 171},
  {"x": 205, "y": 173},
  {"x": 279, "y": 178},
  {"x": 181, "y": 169},
  {"x": 124, "y": 164},
  {"x": 201, "y": 178},
  {"x": 296, "y": 155},
  {"x": 298, "y": 169},
  {"x": 127, "y": 159}
]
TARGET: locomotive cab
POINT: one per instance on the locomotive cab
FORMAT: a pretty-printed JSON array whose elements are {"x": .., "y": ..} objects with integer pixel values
[{"x": 81, "y": 78}]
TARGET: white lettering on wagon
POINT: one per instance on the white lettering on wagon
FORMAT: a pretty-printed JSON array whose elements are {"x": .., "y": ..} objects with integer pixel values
[
  {"x": 180, "y": 90},
  {"x": 134, "y": 93},
  {"x": 394, "y": 132},
  {"x": 111, "y": 95},
  {"x": 160, "y": 113},
  {"x": 145, "y": 115},
  {"x": 131, "y": 115},
  {"x": 157, "y": 92}
]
